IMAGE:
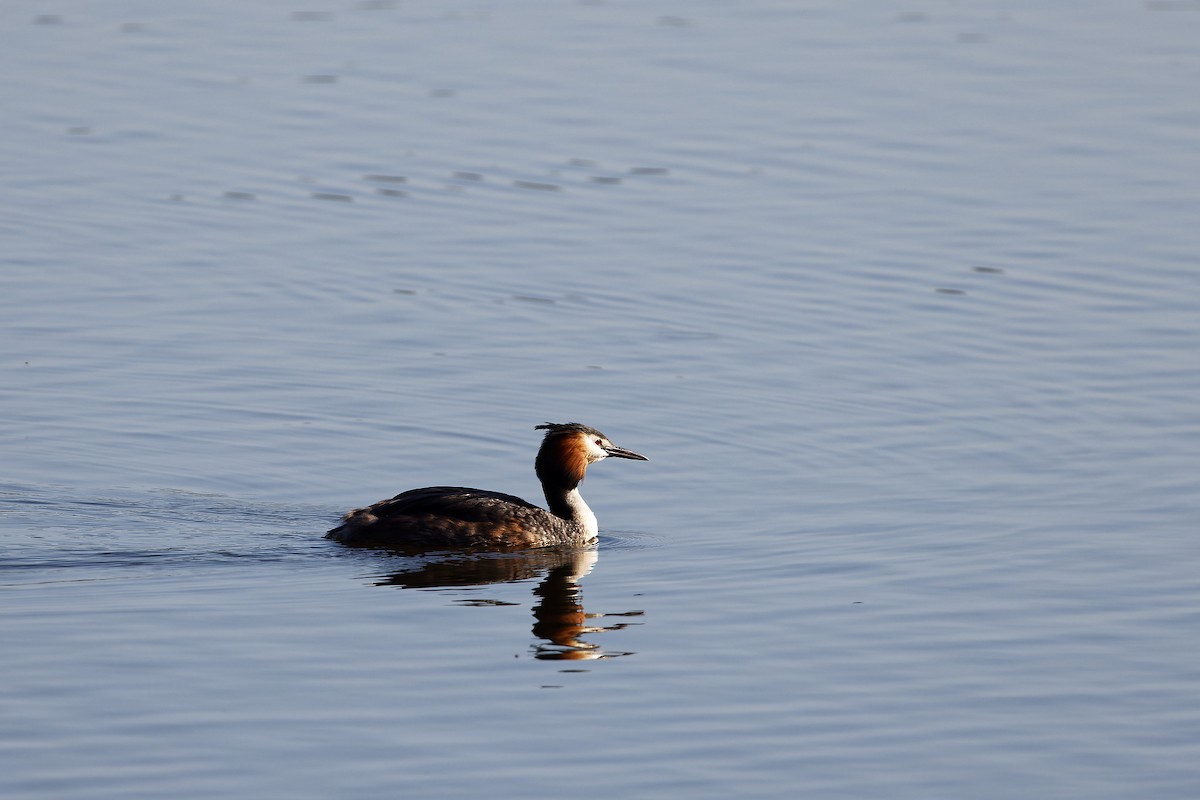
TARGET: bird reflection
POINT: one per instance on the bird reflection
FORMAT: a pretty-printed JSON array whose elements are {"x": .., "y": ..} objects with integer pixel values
[{"x": 560, "y": 622}]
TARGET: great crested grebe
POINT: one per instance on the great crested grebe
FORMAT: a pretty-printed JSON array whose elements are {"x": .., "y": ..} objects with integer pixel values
[{"x": 451, "y": 516}]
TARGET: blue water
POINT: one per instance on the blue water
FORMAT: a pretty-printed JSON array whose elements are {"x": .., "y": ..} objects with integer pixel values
[{"x": 902, "y": 302}]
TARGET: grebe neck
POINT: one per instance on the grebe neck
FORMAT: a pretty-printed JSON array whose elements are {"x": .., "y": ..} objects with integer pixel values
[{"x": 569, "y": 505}]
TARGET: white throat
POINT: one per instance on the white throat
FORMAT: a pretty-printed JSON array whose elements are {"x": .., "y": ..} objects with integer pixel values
[{"x": 581, "y": 514}]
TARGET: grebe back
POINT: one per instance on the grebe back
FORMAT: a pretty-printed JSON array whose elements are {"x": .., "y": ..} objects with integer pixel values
[{"x": 453, "y": 516}]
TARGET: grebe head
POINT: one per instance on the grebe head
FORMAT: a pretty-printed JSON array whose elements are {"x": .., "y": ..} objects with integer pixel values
[{"x": 569, "y": 448}]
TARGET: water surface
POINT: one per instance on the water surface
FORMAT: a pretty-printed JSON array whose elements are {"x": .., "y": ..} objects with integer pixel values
[{"x": 901, "y": 301}]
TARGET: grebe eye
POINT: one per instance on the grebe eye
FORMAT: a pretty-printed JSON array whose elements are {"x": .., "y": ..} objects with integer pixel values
[{"x": 599, "y": 443}]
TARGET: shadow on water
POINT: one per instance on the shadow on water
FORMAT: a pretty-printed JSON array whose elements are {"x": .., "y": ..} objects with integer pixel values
[{"x": 560, "y": 622}]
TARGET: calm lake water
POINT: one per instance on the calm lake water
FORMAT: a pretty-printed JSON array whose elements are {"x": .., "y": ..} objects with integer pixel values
[{"x": 902, "y": 300}]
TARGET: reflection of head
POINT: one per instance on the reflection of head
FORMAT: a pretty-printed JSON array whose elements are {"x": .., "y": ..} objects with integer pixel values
[
  {"x": 559, "y": 617},
  {"x": 560, "y": 621}
]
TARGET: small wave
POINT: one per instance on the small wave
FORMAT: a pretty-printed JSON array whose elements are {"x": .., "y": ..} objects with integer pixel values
[
  {"x": 49, "y": 533},
  {"x": 630, "y": 540}
]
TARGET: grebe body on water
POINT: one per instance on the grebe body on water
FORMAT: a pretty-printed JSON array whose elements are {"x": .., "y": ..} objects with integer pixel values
[{"x": 453, "y": 516}]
